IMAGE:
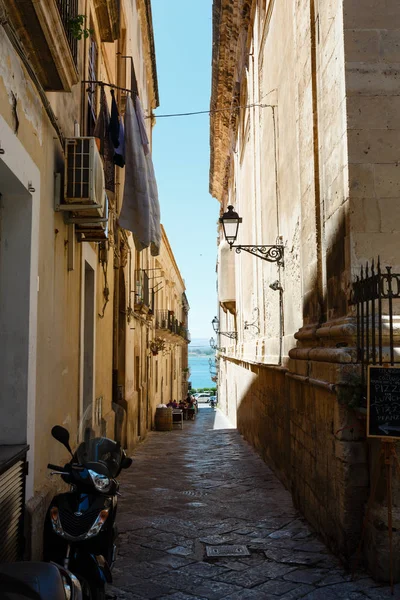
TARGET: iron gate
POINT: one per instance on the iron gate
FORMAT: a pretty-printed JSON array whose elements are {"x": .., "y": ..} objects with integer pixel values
[{"x": 375, "y": 294}]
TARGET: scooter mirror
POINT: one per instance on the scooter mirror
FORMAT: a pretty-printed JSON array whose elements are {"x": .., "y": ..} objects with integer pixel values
[
  {"x": 61, "y": 435},
  {"x": 126, "y": 462}
]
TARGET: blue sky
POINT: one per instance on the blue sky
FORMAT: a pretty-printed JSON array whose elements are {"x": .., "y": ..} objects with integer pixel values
[{"x": 183, "y": 40}]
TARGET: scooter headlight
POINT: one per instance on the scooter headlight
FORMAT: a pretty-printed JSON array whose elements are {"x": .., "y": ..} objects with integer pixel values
[
  {"x": 101, "y": 482},
  {"x": 98, "y": 524},
  {"x": 55, "y": 520}
]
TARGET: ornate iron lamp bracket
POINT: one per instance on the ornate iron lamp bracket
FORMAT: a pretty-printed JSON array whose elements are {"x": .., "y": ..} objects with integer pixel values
[
  {"x": 230, "y": 334},
  {"x": 256, "y": 318},
  {"x": 273, "y": 254}
]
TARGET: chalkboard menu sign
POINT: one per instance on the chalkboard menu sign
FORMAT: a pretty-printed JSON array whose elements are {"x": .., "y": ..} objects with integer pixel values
[{"x": 383, "y": 402}]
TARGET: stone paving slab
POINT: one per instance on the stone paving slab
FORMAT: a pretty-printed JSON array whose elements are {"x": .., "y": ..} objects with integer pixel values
[{"x": 206, "y": 486}]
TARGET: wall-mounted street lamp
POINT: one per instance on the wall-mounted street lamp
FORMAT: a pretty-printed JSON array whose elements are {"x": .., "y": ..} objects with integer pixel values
[
  {"x": 229, "y": 334},
  {"x": 230, "y": 222},
  {"x": 213, "y": 345},
  {"x": 215, "y": 324}
]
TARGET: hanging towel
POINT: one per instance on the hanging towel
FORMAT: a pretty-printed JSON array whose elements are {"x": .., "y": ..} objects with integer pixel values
[
  {"x": 142, "y": 126},
  {"x": 114, "y": 122},
  {"x": 119, "y": 153},
  {"x": 140, "y": 211},
  {"x": 106, "y": 149}
]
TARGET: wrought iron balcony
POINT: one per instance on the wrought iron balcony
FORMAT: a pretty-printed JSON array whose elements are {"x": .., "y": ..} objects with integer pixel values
[
  {"x": 167, "y": 323},
  {"x": 68, "y": 11},
  {"x": 43, "y": 28}
]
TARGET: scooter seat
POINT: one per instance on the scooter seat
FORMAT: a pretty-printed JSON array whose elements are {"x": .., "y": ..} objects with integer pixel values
[{"x": 40, "y": 577}]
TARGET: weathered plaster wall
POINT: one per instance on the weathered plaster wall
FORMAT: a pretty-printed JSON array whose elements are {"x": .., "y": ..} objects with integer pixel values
[{"x": 57, "y": 376}]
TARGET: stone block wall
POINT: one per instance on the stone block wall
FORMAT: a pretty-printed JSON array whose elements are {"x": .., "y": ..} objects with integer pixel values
[
  {"x": 328, "y": 465},
  {"x": 372, "y": 68},
  {"x": 262, "y": 417},
  {"x": 320, "y": 167},
  {"x": 313, "y": 443}
]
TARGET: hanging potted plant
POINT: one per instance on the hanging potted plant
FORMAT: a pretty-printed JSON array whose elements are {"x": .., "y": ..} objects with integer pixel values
[{"x": 156, "y": 345}]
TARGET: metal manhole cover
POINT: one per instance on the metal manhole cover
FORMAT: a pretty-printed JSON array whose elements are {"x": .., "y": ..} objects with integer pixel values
[
  {"x": 219, "y": 551},
  {"x": 195, "y": 493}
]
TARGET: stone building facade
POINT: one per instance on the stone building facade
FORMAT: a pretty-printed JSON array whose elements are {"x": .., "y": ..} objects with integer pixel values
[
  {"x": 303, "y": 145},
  {"x": 77, "y": 301}
]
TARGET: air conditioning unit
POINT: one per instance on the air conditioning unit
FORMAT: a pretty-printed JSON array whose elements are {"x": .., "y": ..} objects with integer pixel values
[{"x": 84, "y": 186}]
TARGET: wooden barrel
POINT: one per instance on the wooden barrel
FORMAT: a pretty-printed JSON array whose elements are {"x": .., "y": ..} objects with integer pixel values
[{"x": 163, "y": 420}]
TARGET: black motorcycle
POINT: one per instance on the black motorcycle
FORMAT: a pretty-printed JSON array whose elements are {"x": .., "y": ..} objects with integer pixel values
[
  {"x": 37, "y": 581},
  {"x": 80, "y": 531}
]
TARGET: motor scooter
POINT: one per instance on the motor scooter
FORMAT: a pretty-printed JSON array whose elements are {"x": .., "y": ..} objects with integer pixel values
[
  {"x": 80, "y": 531},
  {"x": 38, "y": 581}
]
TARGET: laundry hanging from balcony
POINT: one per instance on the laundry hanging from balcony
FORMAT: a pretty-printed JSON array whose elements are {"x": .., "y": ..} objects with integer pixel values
[
  {"x": 117, "y": 133},
  {"x": 140, "y": 211},
  {"x": 106, "y": 147}
]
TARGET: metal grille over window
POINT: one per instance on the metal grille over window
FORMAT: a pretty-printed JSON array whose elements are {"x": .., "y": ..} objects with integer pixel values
[
  {"x": 92, "y": 89},
  {"x": 78, "y": 169},
  {"x": 142, "y": 295},
  {"x": 68, "y": 11}
]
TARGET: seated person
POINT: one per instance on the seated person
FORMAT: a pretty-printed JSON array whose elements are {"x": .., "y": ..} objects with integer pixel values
[{"x": 191, "y": 410}]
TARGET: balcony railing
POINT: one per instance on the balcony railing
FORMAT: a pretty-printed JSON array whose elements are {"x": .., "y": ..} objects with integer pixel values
[
  {"x": 69, "y": 10},
  {"x": 166, "y": 320}
]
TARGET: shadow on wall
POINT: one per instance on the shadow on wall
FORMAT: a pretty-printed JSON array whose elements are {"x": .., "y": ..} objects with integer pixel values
[{"x": 302, "y": 431}]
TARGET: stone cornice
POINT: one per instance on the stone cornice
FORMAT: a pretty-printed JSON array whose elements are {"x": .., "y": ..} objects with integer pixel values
[
  {"x": 144, "y": 7},
  {"x": 231, "y": 20},
  {"x": 171, "y": 256}
]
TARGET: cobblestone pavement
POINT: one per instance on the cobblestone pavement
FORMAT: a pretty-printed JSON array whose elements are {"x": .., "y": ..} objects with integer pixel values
[{"x": 206, "y": 487}]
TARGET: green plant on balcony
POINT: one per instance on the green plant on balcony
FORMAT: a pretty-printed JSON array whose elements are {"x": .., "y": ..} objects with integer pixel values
[
  {"x": 76, "y": 26},
  {"x": 157, "y": 345}
]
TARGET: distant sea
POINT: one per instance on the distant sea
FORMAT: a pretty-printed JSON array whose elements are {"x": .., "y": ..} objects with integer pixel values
[
  {"x": 200, "y": 372},
  {"x": 199, "y": 364}
]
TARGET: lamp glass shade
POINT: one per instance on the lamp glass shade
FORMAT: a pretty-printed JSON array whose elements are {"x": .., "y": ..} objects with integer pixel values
[
  {"x": 212, "y": 343},
  {"x": 230, "y": 223},
  {"x": 215, "y": 324}
]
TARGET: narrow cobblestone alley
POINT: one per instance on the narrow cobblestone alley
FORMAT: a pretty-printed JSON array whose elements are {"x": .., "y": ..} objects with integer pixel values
[{"x": 204, "y": 486}]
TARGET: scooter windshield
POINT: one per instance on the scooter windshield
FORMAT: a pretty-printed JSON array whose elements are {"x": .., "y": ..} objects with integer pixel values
[
  {"x": 102, "y": 451},
  {"x": 92, "y": 446}
]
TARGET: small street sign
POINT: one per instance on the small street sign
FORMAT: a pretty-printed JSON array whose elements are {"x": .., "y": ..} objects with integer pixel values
[{"x": 383, "y": 402}]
